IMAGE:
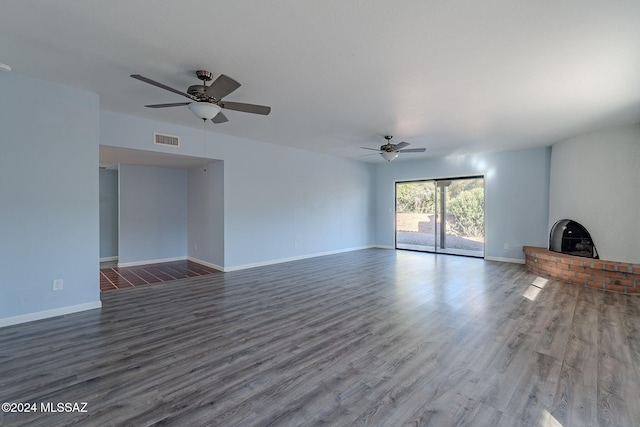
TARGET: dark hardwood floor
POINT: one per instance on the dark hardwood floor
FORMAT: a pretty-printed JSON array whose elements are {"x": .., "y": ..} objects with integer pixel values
[
  {"x": 113, "y": 277},
  {"x": 374, "y": 337}
]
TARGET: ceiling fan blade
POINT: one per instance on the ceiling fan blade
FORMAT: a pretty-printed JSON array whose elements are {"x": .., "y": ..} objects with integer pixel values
[
  {"x": 413, "y": 150},
  {"x": 400, "y": 146},
  {"x": 175, "y": 104},
  {"x": 367, "y": 148},
  {"x": 160, "y": 85},
  {"x": 221, "y": 87},
  {"x": 246, "y": 108},
  {"x": 220, "y": 118}
]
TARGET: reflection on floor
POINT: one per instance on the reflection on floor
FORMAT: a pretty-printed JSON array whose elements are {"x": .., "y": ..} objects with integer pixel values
[{"x": 112, "y": 278}]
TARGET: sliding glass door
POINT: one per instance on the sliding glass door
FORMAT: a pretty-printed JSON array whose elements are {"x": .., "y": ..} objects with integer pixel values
[{"x": 443, "y": 216}]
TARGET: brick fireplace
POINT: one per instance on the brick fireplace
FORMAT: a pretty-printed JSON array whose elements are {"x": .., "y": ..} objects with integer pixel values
[{"x": 594, "y": 273}]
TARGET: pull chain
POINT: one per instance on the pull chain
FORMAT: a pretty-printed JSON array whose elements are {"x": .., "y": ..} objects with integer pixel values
[{"x": 204, "y": 143}]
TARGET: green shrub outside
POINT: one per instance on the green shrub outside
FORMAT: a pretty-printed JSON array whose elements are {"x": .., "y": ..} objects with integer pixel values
[
  {"x": 465, "y": 204},
  {"x": 468, "y": 210}
]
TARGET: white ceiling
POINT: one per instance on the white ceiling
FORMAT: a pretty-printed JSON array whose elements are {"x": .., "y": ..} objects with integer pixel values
[{"x": 452, "y": 76}]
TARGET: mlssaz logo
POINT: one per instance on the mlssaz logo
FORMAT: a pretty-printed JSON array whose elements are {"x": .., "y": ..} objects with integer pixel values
[{"x": 63, "y": 407}]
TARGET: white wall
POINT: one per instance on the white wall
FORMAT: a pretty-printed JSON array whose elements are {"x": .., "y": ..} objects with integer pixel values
[
  {"x": 516, "y": 196},
  {"x": 279, "y": 203},
  {"x": 205, "y": 224},
  {"x": 595, "y": 180},
  {"x": 48, "y": 199},
  {"x": 153, "y": 214}
]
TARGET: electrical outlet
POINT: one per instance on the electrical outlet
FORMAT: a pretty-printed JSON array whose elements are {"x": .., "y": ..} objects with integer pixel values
[
  {"x": 506, "y": 246},
  {"x": 57, "y": 285},
  {"x": 195, "y": 246}
]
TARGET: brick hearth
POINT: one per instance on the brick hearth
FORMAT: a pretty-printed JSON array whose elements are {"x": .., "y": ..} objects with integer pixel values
[{"x": 608, "y": 275}]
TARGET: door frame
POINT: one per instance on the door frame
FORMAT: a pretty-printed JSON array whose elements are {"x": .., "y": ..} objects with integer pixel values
[{"x": 444, "y": 178}]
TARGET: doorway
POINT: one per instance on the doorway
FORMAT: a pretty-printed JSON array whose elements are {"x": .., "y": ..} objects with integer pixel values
[
  {"x": 441, "y": 216},
  {"x": 109, "y": 208}
]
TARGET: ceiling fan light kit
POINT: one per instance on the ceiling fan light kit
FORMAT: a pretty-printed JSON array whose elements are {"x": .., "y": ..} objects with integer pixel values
[
  {"x": 389, "y": 155},
  {"x": 204, "y": 110}
]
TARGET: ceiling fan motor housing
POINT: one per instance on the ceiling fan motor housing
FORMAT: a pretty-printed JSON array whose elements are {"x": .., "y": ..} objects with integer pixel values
[
  {"x": 199, "y": 90},
  {"x": 196, "y": 90},
  {"x": 388, "y": 147}
]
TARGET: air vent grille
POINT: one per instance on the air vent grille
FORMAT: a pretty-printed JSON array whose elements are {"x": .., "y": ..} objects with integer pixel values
[{"x": 159, "y": 138}]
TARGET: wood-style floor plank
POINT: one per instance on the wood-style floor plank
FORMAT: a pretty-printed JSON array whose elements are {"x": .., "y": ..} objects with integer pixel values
[
  {"x": 618, "y": 397},
  {"x": 373, "y": 337}
]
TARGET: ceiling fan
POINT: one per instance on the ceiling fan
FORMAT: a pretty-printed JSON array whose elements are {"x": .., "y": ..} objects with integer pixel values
[
  {"x": 206, "y": 101},
  {"x": 390, "y": 151}
]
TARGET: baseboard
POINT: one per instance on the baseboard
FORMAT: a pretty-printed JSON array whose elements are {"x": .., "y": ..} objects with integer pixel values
[
  {"x": 109, "y": 258},
  {"x": 499, "y": 259},
  {"x": 49, "y": 313},
  {"x": 150, "y": 261},
  {"x": 205, "y": 263},
  {"x": 295, "y": 258}
]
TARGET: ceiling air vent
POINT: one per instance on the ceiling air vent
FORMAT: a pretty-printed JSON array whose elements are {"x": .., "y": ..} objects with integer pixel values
[{"x": 162, "y": 139}]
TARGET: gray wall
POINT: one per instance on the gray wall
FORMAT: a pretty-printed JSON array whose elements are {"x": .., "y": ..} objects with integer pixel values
[
  {"x": 595, "y": 180},
  {"x": 516, "y": 196},
  {"x": 280, "y": 203},
  {"x": 108, "y": 213},
  {"x": 205, "y": 224},
  {"x": 275, "y": 203},
  {"x": 284, "y": 203},
  {"x": 153, "y": 214},
  {"x": 49, "y": 199}
]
